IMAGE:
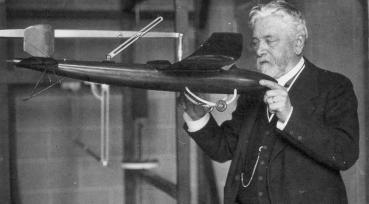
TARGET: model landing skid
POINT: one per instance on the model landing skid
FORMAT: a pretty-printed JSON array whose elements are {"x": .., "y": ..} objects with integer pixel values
[{"x": 221, "y": 105}]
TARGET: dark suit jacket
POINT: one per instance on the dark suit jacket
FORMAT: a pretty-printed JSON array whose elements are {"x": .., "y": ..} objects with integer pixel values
[{"x": 320, "y": 139}]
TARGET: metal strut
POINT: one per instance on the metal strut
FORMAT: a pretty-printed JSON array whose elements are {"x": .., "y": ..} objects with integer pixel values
[
  {"x": 135, "y": 37},
  {"x": 104, "y": 97}
]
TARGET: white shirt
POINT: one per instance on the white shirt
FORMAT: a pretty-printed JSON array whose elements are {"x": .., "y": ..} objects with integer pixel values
[{"x": 195, "y": 125}]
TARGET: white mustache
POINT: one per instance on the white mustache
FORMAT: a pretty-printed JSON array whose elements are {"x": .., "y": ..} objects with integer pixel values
[{"x": 260, "y": 61}]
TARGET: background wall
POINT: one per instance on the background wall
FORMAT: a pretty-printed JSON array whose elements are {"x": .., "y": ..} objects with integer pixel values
[
  {"x": 337, "y": 43},
  {"x": 48, "y": 167}
]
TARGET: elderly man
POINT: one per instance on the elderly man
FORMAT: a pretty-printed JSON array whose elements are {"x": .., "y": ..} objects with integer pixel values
[{"x": 289, "y": 145}]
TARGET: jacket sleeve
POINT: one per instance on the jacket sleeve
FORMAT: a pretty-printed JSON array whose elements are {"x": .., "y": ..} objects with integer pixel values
[
  {"x": 220, "y": 142},
  {"x": 330, "y": 133}
]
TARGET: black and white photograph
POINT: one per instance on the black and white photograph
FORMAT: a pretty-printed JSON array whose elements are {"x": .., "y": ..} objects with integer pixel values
[{"x": 184, "y": 101}]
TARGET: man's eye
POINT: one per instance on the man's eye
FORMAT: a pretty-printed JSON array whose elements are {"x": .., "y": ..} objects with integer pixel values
[
  {"x": 254, "y": 43},
  {"x": 271, "y": 42}
]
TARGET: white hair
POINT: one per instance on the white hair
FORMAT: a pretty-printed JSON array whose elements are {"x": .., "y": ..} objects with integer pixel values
[{"x": 280, "y": 8}]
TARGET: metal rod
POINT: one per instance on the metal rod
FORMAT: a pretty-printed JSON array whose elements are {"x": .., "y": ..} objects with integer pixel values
[
  {"x": 72, "y": 33},
  {"x": 180, "y": 47},
  {"x": 104, "y": 98},
  {"x": 135, "y": 37},
  {"x": 105, "y": 94}
]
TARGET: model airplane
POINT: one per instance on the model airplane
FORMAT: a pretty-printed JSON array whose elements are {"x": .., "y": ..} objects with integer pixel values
[{"x": 210, "y": 69}]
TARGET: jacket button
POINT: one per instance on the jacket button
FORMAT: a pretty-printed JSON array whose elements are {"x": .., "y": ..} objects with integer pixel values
[
  {"x": 237, "y": 177},
  {"x": 299, "y": 138}
]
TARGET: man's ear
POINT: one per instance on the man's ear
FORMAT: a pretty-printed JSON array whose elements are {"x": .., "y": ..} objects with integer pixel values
[{"x": 299, "y": 44}]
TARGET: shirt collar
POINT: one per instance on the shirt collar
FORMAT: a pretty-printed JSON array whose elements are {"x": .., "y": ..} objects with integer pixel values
[{"x": 289, "y": 75}]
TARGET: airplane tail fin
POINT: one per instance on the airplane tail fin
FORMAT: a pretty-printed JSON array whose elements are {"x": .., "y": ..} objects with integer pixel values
[
  {"x": 222, "y": 44},
  {"x": 221, "y": 49},
  {"x": 39, "y": 40}
]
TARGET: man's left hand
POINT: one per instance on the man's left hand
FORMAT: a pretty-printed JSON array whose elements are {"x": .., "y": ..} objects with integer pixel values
[{"x": 277, "y": 99}]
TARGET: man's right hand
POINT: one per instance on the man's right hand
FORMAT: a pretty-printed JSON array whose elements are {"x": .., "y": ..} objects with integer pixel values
[{"x": 195, "y": 111}]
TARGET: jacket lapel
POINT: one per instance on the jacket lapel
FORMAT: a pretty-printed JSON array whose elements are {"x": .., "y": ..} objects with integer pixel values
[{"x": 302, "y": 95}]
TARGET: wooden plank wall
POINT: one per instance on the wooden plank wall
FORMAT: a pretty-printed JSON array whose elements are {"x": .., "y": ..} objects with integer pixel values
[{"x": 5, "y": 192}]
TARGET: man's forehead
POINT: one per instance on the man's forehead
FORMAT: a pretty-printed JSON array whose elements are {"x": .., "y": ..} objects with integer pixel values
[{"x": 271, "y": 25}]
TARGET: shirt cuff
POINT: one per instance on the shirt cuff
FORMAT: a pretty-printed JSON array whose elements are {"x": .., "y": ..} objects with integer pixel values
[
  {"x": 195, "y": 125},
  {"x": 282, "y": 125}
]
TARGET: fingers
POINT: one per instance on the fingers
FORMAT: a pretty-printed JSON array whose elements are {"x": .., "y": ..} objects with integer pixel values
[
  {"x": 275, "y": 104},
  {"x": 275, "y": 96},
  {"x": 273, "y": 99},
  {"x": 279, "y": 105},
  {"x": 276, "y": 92},
  {"x": 277, "y": 99},
  {"x": 195, "y": 111},
  {"x": 270, "y": 84}
]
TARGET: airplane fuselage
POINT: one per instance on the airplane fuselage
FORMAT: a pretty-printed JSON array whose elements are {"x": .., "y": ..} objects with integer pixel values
[{"x": 148, "y": 76}]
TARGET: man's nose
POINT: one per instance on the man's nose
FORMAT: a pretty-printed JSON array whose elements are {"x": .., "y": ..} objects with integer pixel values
[{"x": 260, "y": 48}]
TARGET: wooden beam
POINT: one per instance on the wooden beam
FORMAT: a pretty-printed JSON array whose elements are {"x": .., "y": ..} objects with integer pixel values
[
  {"x": 158, "y": 181},
  {"x": 183, "y": 141},
  {"x": 366, "y": 87},
  {"x": 130, "y": 152},
  {"x": 129, "y": 144},
  {"x": 15, "y": 13},
  {"x": 13, "y": 166},
  {"x": 5, "y": 187}
]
